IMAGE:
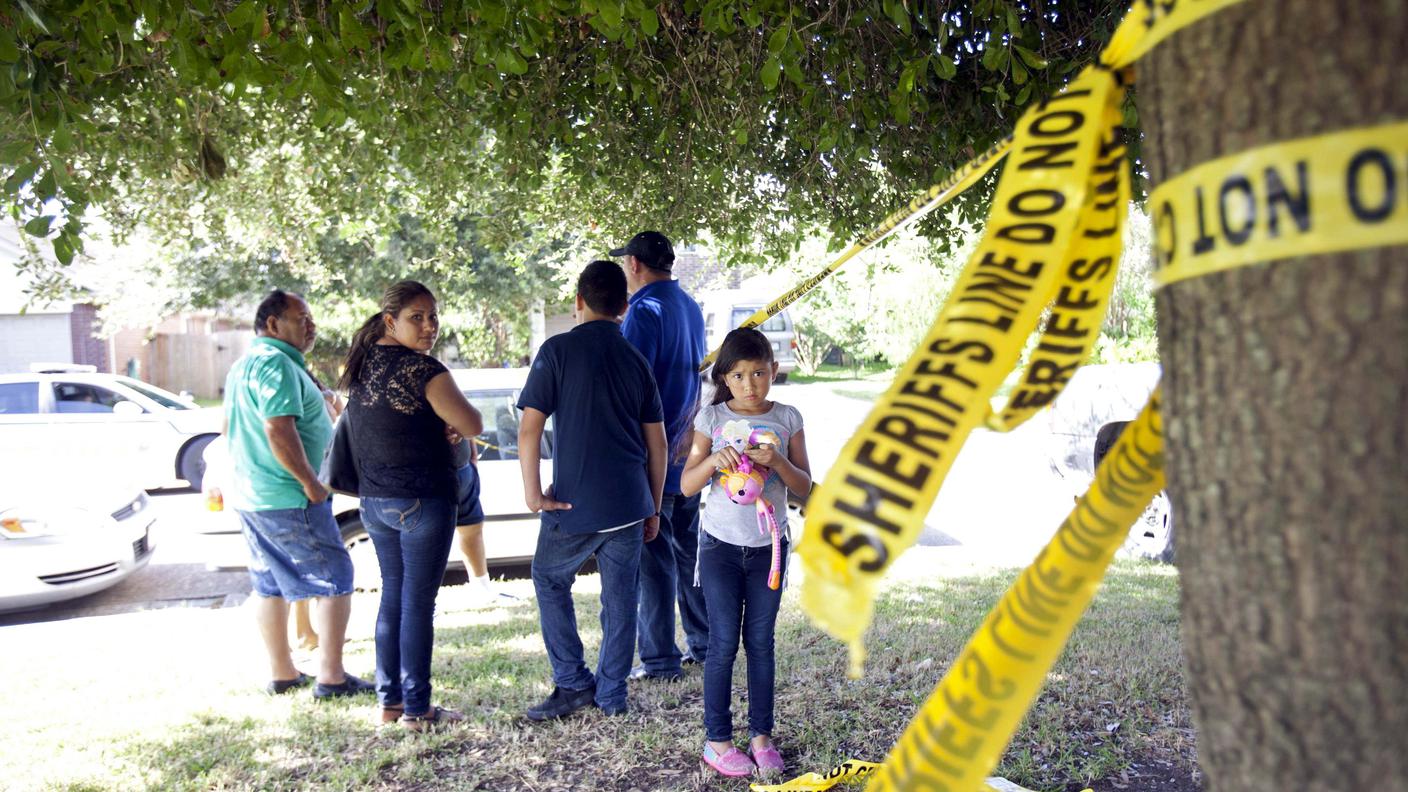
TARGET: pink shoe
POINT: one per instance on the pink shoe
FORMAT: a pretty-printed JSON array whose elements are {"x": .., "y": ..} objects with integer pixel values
[
  {"x": 734, "y": 763},
  {"x": 768, "y": 760}
]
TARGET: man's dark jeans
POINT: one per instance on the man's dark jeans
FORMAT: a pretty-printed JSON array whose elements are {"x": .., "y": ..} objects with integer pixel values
[
  {"x": 740, "y": 603},
  {"x": 412, "y": 539},
  {"x": 555, "y": 563},
  {"x": 667, "y": 577}
]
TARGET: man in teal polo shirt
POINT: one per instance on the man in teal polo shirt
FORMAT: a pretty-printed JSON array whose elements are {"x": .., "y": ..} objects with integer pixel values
[{"x": 278, "y": 430}]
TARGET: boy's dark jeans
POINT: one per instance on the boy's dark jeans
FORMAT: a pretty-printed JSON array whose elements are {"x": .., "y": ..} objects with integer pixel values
[
  {"x": 667, "y": 577},
  {"x": 735, "y": 582},
  {"x": 555, "y": 563}
]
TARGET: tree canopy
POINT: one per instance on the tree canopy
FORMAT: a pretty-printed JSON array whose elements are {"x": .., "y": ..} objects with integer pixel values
[{"x": 263, "y": 127}]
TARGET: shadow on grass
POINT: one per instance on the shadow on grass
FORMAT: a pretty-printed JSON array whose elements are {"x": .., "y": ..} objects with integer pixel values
[{"x": 1121, "y": 668}]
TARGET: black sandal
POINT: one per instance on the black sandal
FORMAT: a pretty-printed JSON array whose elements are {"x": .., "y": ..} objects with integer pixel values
[{"x": 435, "y": 718}]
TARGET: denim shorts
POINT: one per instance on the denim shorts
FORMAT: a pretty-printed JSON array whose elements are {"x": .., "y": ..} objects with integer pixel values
[
  {"x": 296, "y": 553},
  {"x": 470, "y": 511}
]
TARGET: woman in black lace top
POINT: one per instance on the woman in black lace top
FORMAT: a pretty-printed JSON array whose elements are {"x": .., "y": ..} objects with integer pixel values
[{"x": 405, "y": 412}]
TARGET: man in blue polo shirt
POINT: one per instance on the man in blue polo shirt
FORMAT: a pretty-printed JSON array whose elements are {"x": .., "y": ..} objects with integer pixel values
[
  {"x": 278, "y": 428},
  {"x": 608, "y": 473},
  {"x": 666, "y": 325}
]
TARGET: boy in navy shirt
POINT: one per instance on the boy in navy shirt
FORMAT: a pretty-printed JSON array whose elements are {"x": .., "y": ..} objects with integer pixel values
[{"x": 608, "y": 478}]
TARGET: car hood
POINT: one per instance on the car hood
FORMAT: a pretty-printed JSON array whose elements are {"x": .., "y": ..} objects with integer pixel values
[{"x": 206, "y": 420}]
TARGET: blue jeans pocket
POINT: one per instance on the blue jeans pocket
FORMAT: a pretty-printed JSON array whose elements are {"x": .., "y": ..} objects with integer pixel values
[
  {"x": 401, "y": 514},
  {"x": 707, "y": 541}
]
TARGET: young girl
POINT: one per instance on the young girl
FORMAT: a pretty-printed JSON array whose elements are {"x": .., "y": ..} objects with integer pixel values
[{"x": 737, "y": 569}]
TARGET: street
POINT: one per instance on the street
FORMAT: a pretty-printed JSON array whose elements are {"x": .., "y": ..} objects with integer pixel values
[{"x": 999, "y": 503}]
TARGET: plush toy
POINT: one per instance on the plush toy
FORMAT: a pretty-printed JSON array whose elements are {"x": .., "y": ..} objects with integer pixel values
[{"x": 744, "y": 485}]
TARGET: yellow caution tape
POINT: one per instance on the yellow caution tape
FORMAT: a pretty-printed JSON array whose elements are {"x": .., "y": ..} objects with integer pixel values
[
  {"x": 848, "y": 770},
  {"x": 1083, "y": 295},
  {"x": 871, "y": 506},
  {"x": 961, "y": 731},
  {"x": 926, "y": 202},
  {"x": 816, "y": 782},
  {"x": 1328, "y": 193},
  {"x": 1151, "y": 21}
]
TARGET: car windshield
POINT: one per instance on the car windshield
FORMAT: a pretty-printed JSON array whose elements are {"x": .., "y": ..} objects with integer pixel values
[
  {"x": 164, "y": 398},
  {"x": 774, "y": 324}
]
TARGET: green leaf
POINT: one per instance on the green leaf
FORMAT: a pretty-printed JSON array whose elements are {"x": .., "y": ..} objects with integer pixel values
[
  {"x": 611, "y": 15},
  {"x": 64, "y": 248},
  {"x": 1019, "y": 72},
  {"x": 1034, "y": 61},
  {"x": 944, "y": 67},
  {"x": 907, "y": 79},
  {"x": 778, "y": 40},
  {"x": 649, "y": 23},
  {"x": 511, "y": 62},
  {"x": 1014, "y": 22},
  {"x": 39, "y": 226},
  {"x": 352, "y": 34},
  {"x": 47, "y": 186},
  {"x": 34, "y": 18},
  {"x": 741, "y": 136},
  {"x": 23, "y": 173},
  {"x": 241, "y": 15},
  {"x": 771, "y": 70},
  {"x": 9, "y": 50}
]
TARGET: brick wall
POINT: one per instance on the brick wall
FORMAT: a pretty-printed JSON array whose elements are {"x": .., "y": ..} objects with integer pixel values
[{"x": 88, "y": 349}]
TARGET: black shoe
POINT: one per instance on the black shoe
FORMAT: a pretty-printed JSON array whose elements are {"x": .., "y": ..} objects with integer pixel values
[
  {"x": 351, "y": 686},
  {"x": 690, "y": 659},
  {"x": 638, "y": 673},
  {"x": 278, "y": 687},
  {"x": 613, "y": 712},
  {"x": 561, "y": 703}
]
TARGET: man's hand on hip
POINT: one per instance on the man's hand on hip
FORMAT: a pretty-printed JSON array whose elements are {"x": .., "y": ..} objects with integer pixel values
[{"x": 316, "y": 492}]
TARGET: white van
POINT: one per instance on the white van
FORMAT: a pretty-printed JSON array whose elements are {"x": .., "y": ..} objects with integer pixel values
[{"x": 725, "y": 310}]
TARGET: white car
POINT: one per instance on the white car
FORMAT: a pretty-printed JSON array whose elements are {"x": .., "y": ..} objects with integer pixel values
[
  {"x": 58, "y": 542},
  {"x": 147, "y": 432},
  {"x": 724, "y": 310},
  {"x": 510, "y": 530}
]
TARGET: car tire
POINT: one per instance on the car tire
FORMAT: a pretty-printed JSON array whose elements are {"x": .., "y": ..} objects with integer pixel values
[
  {"x": 191, "y": 465},
  {"x": 1151, "y": 536},
  {"x": 366, "y": 573}
]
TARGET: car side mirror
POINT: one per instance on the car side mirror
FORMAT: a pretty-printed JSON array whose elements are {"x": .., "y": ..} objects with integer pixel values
[{"x": 128, "y": 408}]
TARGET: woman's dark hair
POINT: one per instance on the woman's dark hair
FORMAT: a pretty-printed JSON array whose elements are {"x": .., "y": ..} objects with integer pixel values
[
  {"x": 744, "y": 343},
  {"x": 392, "y": 301},
  {"x": 273, "y": 304}
]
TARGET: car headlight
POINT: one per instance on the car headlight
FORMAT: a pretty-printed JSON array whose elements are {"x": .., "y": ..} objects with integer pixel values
[{"x": 15, "y": 527}]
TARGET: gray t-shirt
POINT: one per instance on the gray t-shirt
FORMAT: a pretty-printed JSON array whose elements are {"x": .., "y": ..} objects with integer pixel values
[{"x": 724, "y": 519}]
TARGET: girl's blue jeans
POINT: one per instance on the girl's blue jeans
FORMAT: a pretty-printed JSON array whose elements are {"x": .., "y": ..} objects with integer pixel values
[
  {"x": 412, "y": 539},
  {"x": 739, "y": 603}
]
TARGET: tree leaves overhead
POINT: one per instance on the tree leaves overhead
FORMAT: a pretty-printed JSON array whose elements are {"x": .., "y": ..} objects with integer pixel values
[{"x": 264, "y": 126}]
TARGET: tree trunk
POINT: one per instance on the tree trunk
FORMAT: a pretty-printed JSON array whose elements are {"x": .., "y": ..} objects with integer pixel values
[{"x": 1286, "y": 396}]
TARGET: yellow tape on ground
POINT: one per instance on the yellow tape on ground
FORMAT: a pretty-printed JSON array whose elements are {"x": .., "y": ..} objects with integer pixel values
[
  {"x": 871, "y": 506},
  {"x": 961, "y": 731},
  {"x": 923, "y": 204},
  {"x": 1342, "y": 191},
  {"x": 819, "y": 782}
]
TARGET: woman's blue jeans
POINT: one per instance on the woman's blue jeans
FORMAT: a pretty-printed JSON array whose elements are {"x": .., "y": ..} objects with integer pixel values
[
  {"x": 412, "y": 539},
  {"x": 739, "y": 602}
]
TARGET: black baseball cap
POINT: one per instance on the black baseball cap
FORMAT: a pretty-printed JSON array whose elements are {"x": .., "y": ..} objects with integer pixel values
[{"x": 652, "y": 248}]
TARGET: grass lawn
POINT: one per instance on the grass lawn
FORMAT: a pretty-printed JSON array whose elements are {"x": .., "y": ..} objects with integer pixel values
[
  {"x": 192, "y": 717},
  {"x": 828, "y": 373}
]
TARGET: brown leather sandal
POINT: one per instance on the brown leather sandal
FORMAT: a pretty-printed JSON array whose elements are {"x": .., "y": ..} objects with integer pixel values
[
  {"x": 436, "y": 718},
  {"x": 392, "y": 713}
]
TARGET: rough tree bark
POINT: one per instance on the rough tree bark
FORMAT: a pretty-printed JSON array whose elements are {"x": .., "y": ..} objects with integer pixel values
[{"x": 1287, "y": 415}]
